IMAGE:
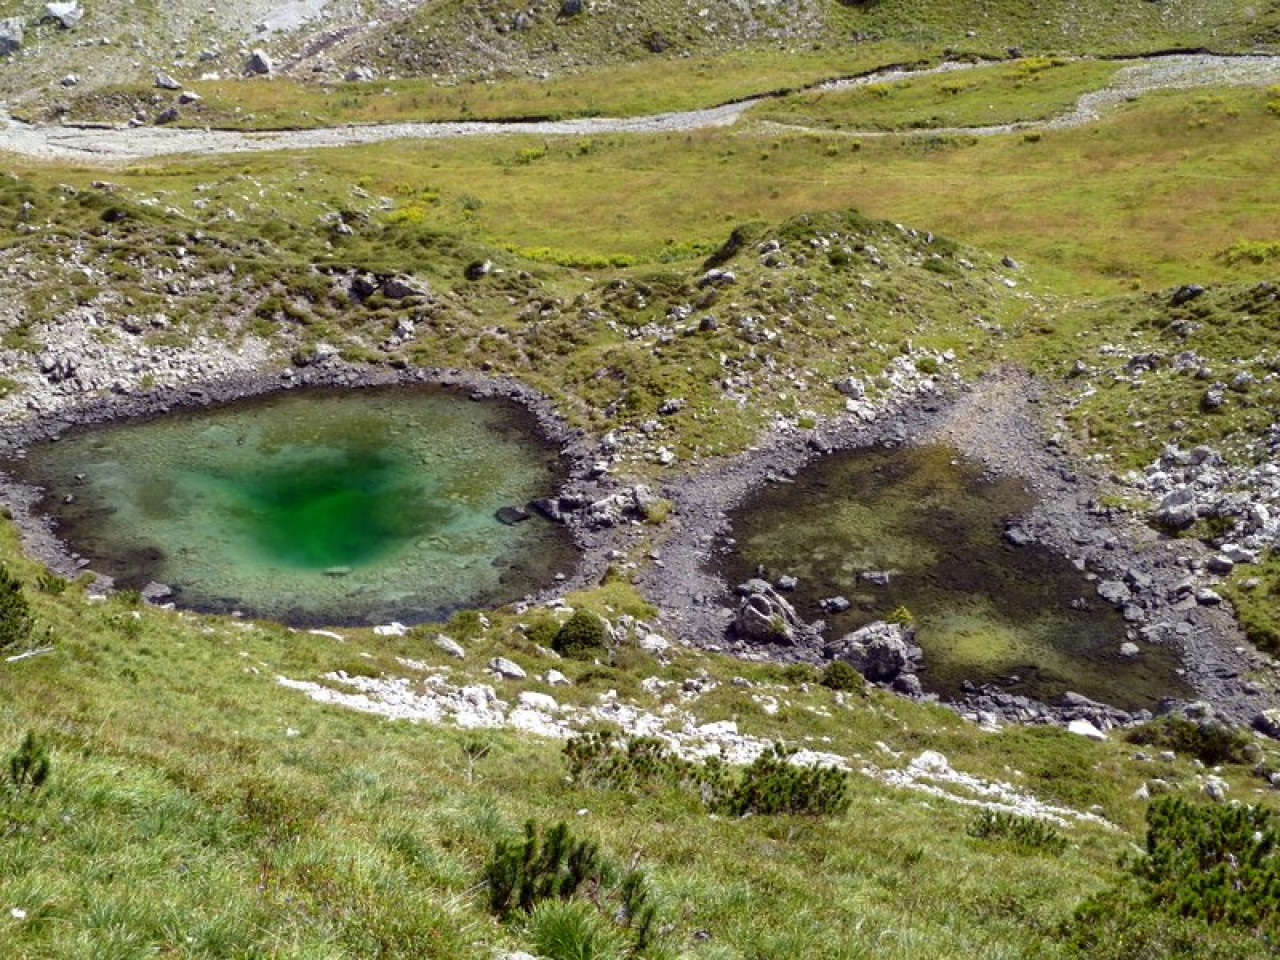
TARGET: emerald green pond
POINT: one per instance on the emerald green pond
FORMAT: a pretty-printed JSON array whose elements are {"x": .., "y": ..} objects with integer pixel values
[
  {"x": 316, "y": 507},
  {"x": 987, "y": 611}
]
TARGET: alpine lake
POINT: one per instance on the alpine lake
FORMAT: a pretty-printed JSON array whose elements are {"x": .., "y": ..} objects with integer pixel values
[
  {"x": 313, "y": 507},
  {"x": 920, "y": 530}
]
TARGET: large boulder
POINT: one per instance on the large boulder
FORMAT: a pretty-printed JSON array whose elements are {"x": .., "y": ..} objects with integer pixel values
[
  {"x": 259, "y": 64},
  {"x": 880, "y": 651},
  {"x": 764, "y": 616},
  {"x": 65, "y": 15},
  {"x": 11, "y": 36}
]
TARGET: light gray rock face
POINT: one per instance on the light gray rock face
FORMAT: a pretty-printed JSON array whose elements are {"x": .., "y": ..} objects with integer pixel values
[
  {"x": 11, "y": 36},
  {"x": 764, "y": 616},
  {"x": 450, "y": 647},
  {"x": 165, "y": 82},
  {"x": 65, "y": 15},
  {"x": 879, "y": 651},
  {"x": 508, "y": 669}
]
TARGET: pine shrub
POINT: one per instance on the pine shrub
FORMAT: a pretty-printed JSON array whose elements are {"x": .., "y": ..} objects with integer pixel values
[
  {"x": 29, "y": 765},
  {"x": 839, "y": 675},
  {"x": 1209, "y": 740},
  {"x": 773, "y": 784},
  {"x": 555, "y": 865},
  {"x": 16, "y": 622},
  {"x": 1024, "y": 834},
  {"x": 583, "y": 637},
  {"x": 1208, "y": 886}
]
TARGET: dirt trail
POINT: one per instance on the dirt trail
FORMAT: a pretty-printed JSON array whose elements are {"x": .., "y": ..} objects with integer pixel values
[{"x": 110, "y": 145}]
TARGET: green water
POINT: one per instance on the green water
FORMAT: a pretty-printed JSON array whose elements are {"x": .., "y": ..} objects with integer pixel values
[
  {"x": 317, "y": 507},
  {"x": 987, "y": 611}
]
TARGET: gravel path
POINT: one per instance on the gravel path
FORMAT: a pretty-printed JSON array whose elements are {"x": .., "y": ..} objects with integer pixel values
[{"x": 123, "y": 144}]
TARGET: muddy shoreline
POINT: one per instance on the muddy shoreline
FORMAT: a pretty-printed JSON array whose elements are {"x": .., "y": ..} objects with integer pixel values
[{"x": 992, "y": 421}]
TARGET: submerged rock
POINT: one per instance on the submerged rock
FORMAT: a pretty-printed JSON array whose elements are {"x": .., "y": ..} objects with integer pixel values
[{"x": 512, "y": 515}]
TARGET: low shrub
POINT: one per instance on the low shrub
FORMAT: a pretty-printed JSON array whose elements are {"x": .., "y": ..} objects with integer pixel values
[
  {"x": 521, "y": 874},
  {"x": 1210, "y": 741},
  {"x": 1208, "y": 886},
  {"x": 1024, "y": 834},
  {"x": 583, "y": 637},
  {"x": 562, "y": 885},
  {"x": 29, "y": 765},
  {"x": 773, "y": 784},
  {"x": 640, "y": 764},
  {"x": 840, "y": 675},
  {"x": 16, "y": 622}
]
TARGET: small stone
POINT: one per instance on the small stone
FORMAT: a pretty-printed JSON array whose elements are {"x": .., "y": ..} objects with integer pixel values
[
  {"x": 450, "y": 647},
  {"x": 508, "y": 669},
  {"x": 166, "y": 82},
  {"x": 259, "y": 64},
  {"x": 1083, "y": 728},
  {"x": 1129, "y": 649},
  {"x": 554, "y": 678}
]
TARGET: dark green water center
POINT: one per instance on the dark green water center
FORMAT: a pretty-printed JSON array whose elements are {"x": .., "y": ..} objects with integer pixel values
[
  {"x": 317, "y": 507},
  {"x": 923, "y": 529}
]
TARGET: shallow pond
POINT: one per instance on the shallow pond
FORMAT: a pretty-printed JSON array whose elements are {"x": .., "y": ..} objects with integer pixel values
[
  {"x": 987, "y": 611},
  {"x": 315, "y": 507}
]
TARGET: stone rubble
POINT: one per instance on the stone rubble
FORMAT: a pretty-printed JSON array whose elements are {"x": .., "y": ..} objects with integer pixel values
[{"x": 477, "y": 706}]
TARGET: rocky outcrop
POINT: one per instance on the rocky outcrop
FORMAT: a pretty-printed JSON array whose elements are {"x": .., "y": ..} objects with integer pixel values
[
  {"x": 11, "y": 36},
  {"x": 881, "y": 652},
  {"x": 764, "y": 616}
]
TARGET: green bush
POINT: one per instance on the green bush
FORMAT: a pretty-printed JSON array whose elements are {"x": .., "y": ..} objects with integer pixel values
[
  {"x": 51, "y": 583},
  {"x": 1208, "y": 886},
  {"x": 16, "y": 622},
  {"x": 29, "y": 765},
  {"x": 1211, "y": 741},
  {"x": 640, "y": 764},
  {"x": 772, "y": 784},
  {"x": 1024, "y": 834},
  {"x": 798, "y": 673},
  {"x": 840, "y": 675},
  {"x": 563, "y": 886},
  {"x": 583, "y": 637},
  {"x": 1213, "y": 863},
  {"x": 521, "y": 874}
]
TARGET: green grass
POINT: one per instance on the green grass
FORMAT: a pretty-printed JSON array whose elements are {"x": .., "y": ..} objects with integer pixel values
[
  {"x": 1034, "y": 89},
  {"x": 262, "y": 823},
  {"x": 616, "y": 90}
]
